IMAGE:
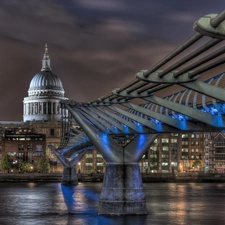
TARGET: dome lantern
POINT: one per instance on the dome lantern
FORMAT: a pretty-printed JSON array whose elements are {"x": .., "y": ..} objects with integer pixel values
[{"x": 46, "y": 60}]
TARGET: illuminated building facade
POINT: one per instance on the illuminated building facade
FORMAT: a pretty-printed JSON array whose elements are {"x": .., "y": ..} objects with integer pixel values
[
  {"x": 172, "y": 153},
  {"x": 23, "y": 145}
]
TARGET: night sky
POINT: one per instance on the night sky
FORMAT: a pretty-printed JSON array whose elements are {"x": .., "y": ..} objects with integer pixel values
[{"x": 95, "y": 46}]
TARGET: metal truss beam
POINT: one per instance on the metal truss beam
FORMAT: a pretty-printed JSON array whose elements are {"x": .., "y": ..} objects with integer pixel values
[
  {"x": 95, "y": 121},
  {"x": 103, "y": 142},
  {"x": 109, "y": 119},
  {"x": 134, "y": 128},
  {"x": 60, "y": 157},
  {"x": 104, "y": 120},
  {"x": 212, "y": 120},
  {"x": 206, "y": 89},
  {"x": 181, "y": 125},
  {"x": 145, "y": 122}
]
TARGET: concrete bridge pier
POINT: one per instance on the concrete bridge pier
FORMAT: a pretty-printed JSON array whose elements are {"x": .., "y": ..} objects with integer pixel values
[
  {"x": 69, "y": 176},
  {"x": 122, "y": 191}
]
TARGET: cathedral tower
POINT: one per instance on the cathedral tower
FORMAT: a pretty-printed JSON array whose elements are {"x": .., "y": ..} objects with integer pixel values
[{"x": 44, "y": 94}]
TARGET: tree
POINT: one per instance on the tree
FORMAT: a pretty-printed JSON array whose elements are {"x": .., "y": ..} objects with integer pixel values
[
  {"x": 196, "y": 163},
  {"x": 43, "y": 165},
  {"x": 26, "y": 167},
  {"x": 6, "y": 163}
]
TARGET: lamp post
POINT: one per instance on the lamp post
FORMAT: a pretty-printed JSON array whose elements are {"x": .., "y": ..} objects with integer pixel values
[{"x": 79, "y": 169}]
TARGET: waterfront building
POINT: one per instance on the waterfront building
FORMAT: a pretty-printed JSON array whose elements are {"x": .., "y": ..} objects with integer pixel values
[
  {"x": 172, "y": 153},
  {"x": 23, "y": 145},
  {"x": 219, "y": 152}
]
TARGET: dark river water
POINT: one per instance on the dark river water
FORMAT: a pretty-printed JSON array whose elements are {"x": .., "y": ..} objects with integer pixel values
[{"x": 168, "y": 203}]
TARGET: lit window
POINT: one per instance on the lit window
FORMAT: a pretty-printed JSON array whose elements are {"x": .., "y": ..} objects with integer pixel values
[
  {"x": 173, "y": 140},
  {"x": 89, "y": 156},
  {"x": 165, "y": 140},
  {"x": 99, "y": 155}
]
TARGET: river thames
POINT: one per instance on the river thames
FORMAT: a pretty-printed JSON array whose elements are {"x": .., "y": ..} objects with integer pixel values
[{"x": 54, "y": 204}]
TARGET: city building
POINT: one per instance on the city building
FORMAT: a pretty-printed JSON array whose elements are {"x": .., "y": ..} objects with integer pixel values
[
  {"x": 23, "y": 145},
  {"x": 172, "y": 153}
]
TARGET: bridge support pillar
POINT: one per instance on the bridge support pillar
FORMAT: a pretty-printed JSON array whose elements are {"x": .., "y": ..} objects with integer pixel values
[
  {"x": 69, "y": 176},
  {"x": 122, "y": 191}
]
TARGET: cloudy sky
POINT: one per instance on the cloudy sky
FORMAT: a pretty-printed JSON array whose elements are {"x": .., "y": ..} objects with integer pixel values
[{"x": 94, "y": 45}]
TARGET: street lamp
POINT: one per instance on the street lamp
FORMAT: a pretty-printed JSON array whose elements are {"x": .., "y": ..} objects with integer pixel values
[{"x": 79, "y": 170}]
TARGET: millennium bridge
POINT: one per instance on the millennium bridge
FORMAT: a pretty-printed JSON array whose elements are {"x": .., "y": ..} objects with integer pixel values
[{"x": 123, "y": 124}]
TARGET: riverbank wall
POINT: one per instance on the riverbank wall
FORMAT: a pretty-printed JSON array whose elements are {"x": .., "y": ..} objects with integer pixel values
[
  {"x": 183, "y": 177},
  {"x": 31, "y": 177},
  {"x": 146, "y": 177}
]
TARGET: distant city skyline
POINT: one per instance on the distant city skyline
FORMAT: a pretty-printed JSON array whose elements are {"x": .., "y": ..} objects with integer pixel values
[{"x": 95, "y": 46}]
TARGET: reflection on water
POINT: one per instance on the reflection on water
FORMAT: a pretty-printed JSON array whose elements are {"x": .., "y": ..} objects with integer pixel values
[
  {"x": 53, "y": 203},
  {"x": 69, "y": 199}
]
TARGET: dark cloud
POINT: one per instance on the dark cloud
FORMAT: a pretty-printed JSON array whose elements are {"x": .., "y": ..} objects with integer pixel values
[{"x": 94, "y": 45}]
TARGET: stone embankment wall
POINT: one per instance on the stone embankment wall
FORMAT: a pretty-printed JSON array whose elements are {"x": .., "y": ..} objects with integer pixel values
[
  {"x": 30, "y": 177},
  {"x": 183, "y": 177},
  {"x": 146, "y": 177}
]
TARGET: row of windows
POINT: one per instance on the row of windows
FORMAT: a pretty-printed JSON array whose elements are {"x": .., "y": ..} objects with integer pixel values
[
  {"x": 220, "y": 150},
  {"x": 192, "y": 150},
  {"x": 191, "y": 157},
  {"x": 91, "y": 164},
  {"x": 22, "y": 154},
  {"x": 45, "y": 108},
  {"x": 145, "y": 164},
  {"x": 220, "y": 142},
  {"x": 193, "y": 143},
  {"x": 166, "y": 140},
  {"x": 192, "y": 135},
  {"x": 220, "y": 157},
  {"x": 21, "y": 146},
  {"x": 90, "y": 155},
  {"x": 37, "y": 147},
  {"x": 24, "y": 139}
]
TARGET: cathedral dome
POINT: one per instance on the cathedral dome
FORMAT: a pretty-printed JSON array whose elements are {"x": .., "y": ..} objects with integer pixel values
[
  {"x": 45, "y": 94},
  {"x": 46, "y": 82},
  {"x": 46, "y": 79}
]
